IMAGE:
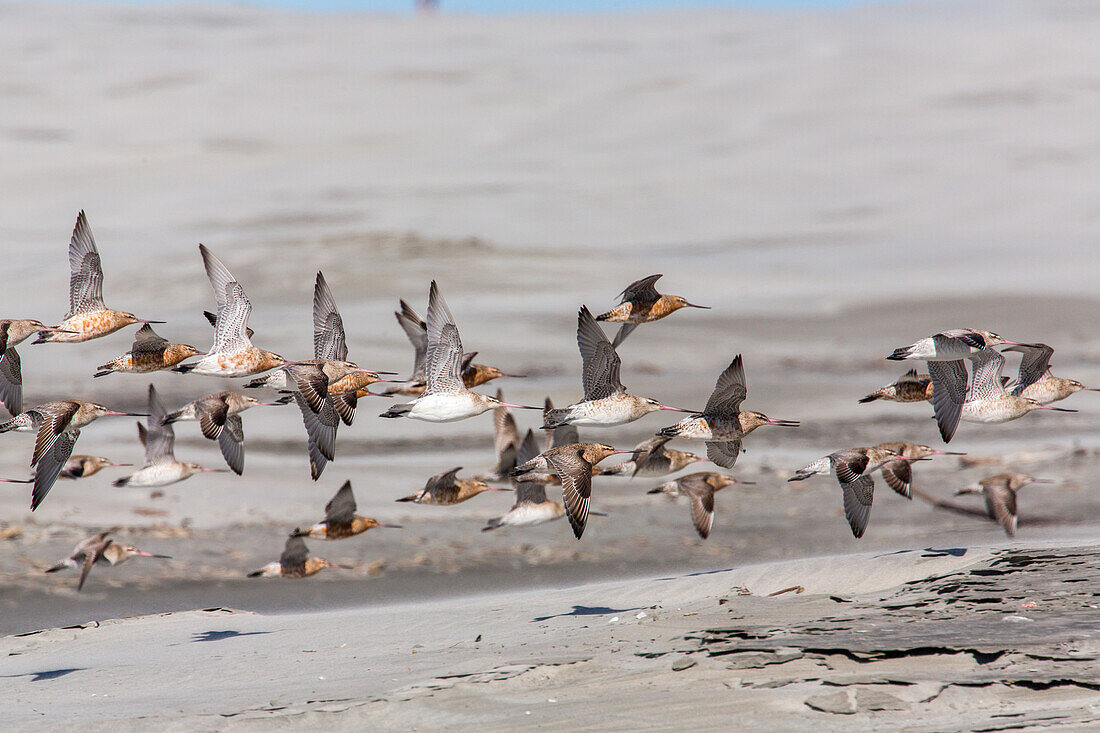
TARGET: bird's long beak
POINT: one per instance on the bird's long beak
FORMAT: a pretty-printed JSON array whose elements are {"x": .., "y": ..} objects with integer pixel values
[
  {"x": 204, "y": 469},
  {"x": 142, "y": 320},
  {"x": 127, "y": 414},
  {"x": 500, "y": 488},
  {"x": 946, "y": 453},
  {"x": 697, "y": 459},
  {"x": 1091, "y": 389},
  {"x": 616, "y": 452},
  {"x": 520, "y": 407},
  {"x": 393, "y": 381},
  {"x": 1043, "y": 481},
  {"x": 967, "y": 490},
  {"x": 673, "y": 409},
  {"x": 119, "y": 464},
  {"x": 149, "y": 554},
  {"x": 692, "y": 305},
  {"x": 338, "y": 565},
  {"x": 56, "y": 329},
  {"x": 274, "y": 404},
  {"x": 17, "y": 480},
  {"x": 744, "y": 483},
  {"x": 1056, "y": 409},
  {"x": 514, "y": 376},
  {"x": 390, "y": 526},
  {"x": 783, "y": 423}
]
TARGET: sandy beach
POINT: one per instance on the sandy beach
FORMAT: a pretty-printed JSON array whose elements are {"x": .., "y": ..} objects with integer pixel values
[{"x": 833, "y": 183}]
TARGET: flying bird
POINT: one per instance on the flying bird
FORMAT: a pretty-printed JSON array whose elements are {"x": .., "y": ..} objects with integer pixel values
[
  {"x": 340, "y": 519},
  {"x": 531, "y": 507},
  {"x": 445, "y": 488},
  {"x": 641, "y": 303},
  {"x": 699, "y": 488},
  {"x": 149, "y": 353},
  {"x": 219, "y": 419},
  {"x": 102, "y": 550},
  {"x": 295, "y": 562}
]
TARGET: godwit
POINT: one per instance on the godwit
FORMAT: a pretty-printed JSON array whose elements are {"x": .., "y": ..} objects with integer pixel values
[
  {"x": 446, "y": 398},
  {"x": 295, "y": 562},
  {"x": 852, "y": 468},
  {"x": 219, "y": 419},
  {"x": 505, "y": 442},
  {"x": 88, "y": 317},
  {"x": 475, "y": 375},
  {"x": 606, "y": 402},
  {"x": 699, "y": 488},
  {"x": 58, "y": 426},
  {"x": 1036, "y": 381},
  {"x": 531, "y": 507},
  {"x": 161, "y": 467},
  {"x": 12, "y": 333},
  {"x": 232, "y": 354},
  {"x": 562, "y": 434},
  {"x": 652, "y": 458},
  {"x": 1000, "y": 496},
  {"x": 149, "y": 353},
  {"x": 898, "y": 474},
  {"x": 444, "y": 489},
  {"x": 945, "y": 352},
  {"x": 722, "y": 423},
  {"x": 987, "y": 401},
  {"x": 573, "y": 464},
  {"x": 340, "y": 519},
  {"x": 641, "y": 303},
  {"x": 99, "y": 549},
  {"x": 910, "y": 387},
  {"x": 85, "y": 466}
]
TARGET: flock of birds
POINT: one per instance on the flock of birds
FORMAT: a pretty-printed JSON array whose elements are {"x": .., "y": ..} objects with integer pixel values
[{"x": 328, "y": 387}]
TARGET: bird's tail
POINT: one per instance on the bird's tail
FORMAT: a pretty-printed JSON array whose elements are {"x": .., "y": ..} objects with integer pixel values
[
  {"x": 877, "y": 395},
  {"x": 57, "y": 567},
  {"x": 256, "y": 573},
  {"x": 411, "y": 497},
  {"x": 554, "y": 418},
  {"x": 171, "y": 417},
  {"x": 9, "y": 425},
  {"x": 255, "y": 383},
  {"x": 822, "y": 465},
  {"x": 104, "y": 370},
  {"x": 901, "y": 353},
  {"x": 670, "y": 432},
  {"x": 122, "y": 481},
  {"x": 299, "y": 533},
  {"x": 184, "y": 368},
  {"x": 492, "y": 524},
  {"x": 398, "y": 410},
  {"x": 43, "y": 337}
]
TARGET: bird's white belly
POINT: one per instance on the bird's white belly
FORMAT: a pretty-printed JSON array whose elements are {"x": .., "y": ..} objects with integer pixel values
[
  {"x": 532, "y": 514},
  {"x": 445, "y": 408},
  {"x": 158, "y": 475}
]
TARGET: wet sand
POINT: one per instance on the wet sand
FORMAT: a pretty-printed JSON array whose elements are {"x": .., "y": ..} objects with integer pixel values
[{"x": 834, "y": 184}]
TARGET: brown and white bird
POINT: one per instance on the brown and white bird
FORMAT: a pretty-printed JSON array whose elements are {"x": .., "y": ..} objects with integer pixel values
[
  {"x": 606, "y": 402},
  {"x": 149, "y": 353},
  {"x": 910, "y": 387},
  {"x": 88, "y": 318},
  {"x": 653, "y": 458},
  {"x": 641, "y": 303},
  {"x": 158, "y": 439},
  {"x": 722, "y": 423},
  {"x": 699, "y": 488},
  {"x": 999, "y": 492},
  {"x": 987, "y": 401},
  {"x": 445, "y": 398},
  {"x": 232, "y": 354},
  {"x": 531, "y": 507},
  {"x": 295, "y": 562},
  {"x": 573, "y": 464},
  {"x": 852, "y": 468},
  {"x": 445, "y": 488},
  {"x": 82, "y": 466},
  {"x": 898, "y": 473},
  {"x": 1035, "y": 380},
  {"x": 219, "y": 419},
  {"x": 340, "y": 519},
  {"x": 99, "y": 549},
  {"x": 12, "y": 333},
  {"x": 58, "y": 426}
]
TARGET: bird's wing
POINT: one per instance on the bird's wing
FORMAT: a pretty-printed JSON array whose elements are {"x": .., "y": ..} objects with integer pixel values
[
  {"x": 528, "y": 492},
  {"x": 231, "y": 443},
  {"x": 329, "y": 341},
  {"x": 417, "y": 331},
  {"x": 444, "y": 347},
  {"x": 988, "y": 366},
  {"x": 576, "y": 485},
  {"x": 724, "y": 454},
  {"x": 345, "y": 405},
  {"x": 858, "y": 495},
  {"x": 146, "y": 341},
  {"x": 212, "y": 417},
  {"x": 85, "y": 272},
  {"x": 649, "y": 452},
  {"x": 642, "y": 290},
  {"x": 55, "y": 419},
  {"x": 91, "y": 554},
  {"x": 50, "y": 465},
  {"x": 968, "y": 337},
  {"x": 1001, "y": 502},
  {"x": 849, "y": 464},
  {"x": 161, "y": 438},
  {"x": 599, "y": 362},
  {"x": 341, "y": 507},
  {"x": 564, "y": 435},
  {"x": 729, "y": 391},
  {"x": 231, "y": 328},
  {"x": 312, "y": 384},
  {"x": 505, "y": 437},
  {"x": 294, "y": 555},
  {"x": 899, "y": 477},
  {"x": 701, "y": 496},
  {"x": 11, "y": 382},
  {"x": 910, "y": 377},
  {"x": 321, "y": 434},
  {"x": 624, "y": 330},
  {"x": 1033, "y": 366},
  {"x": 948, "y": 394},
  {"x": 442, "y": 481}
]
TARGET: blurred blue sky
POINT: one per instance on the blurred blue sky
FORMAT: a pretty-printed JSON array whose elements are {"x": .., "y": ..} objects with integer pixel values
[{"x": 515, "y": 6}]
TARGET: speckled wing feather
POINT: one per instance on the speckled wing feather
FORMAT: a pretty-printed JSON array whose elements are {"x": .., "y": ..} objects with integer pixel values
[
  {"x": 321, "y": 433},
  {"x": 968, "y": 337},
  {"x": 850, "y": 464},
  {"x": 55, "y": 418},
  {"x": 988, "y": 367},
  {"x": 729, "y": 391},
  {"x": 1035, "y": 363},
  {"x": 599, "y": 362},
  {"x": 417, "y": 331},
  {"x": 528, "y": 492},
  {"x": 231, "y": 443},
  {"x": 160, "y": 437},
  {"x": 11, "y": 382},
  {"x": 85, "y": 272},
  {"x": 92, "y": 553},
  {"x": 1000, "y": 502},
  {"x": 948, "y": 394},
  {"x": 341, "y": 507},
  {"x": 724, "y": 454},
  {"x": 576, "y": 485},
  {"x": 505, "y": 438},
  {"x": 899, "y": 477},
  {"x": 858, "y": 495},
  {"x": 650, "y": 453},
  {"x": 147, "y": 342},
  {"x": 444, "y": 347},
  {"x": 312, "y": 383},
  {"x": 643, "y": 290},
  {"x": 329, "y": 341},
  {"x": 345, "y": 405},
  {"x": 230, "y": 330},
  {"x": 701, "y": 495},
  {"x": 49, "y": 466}
]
